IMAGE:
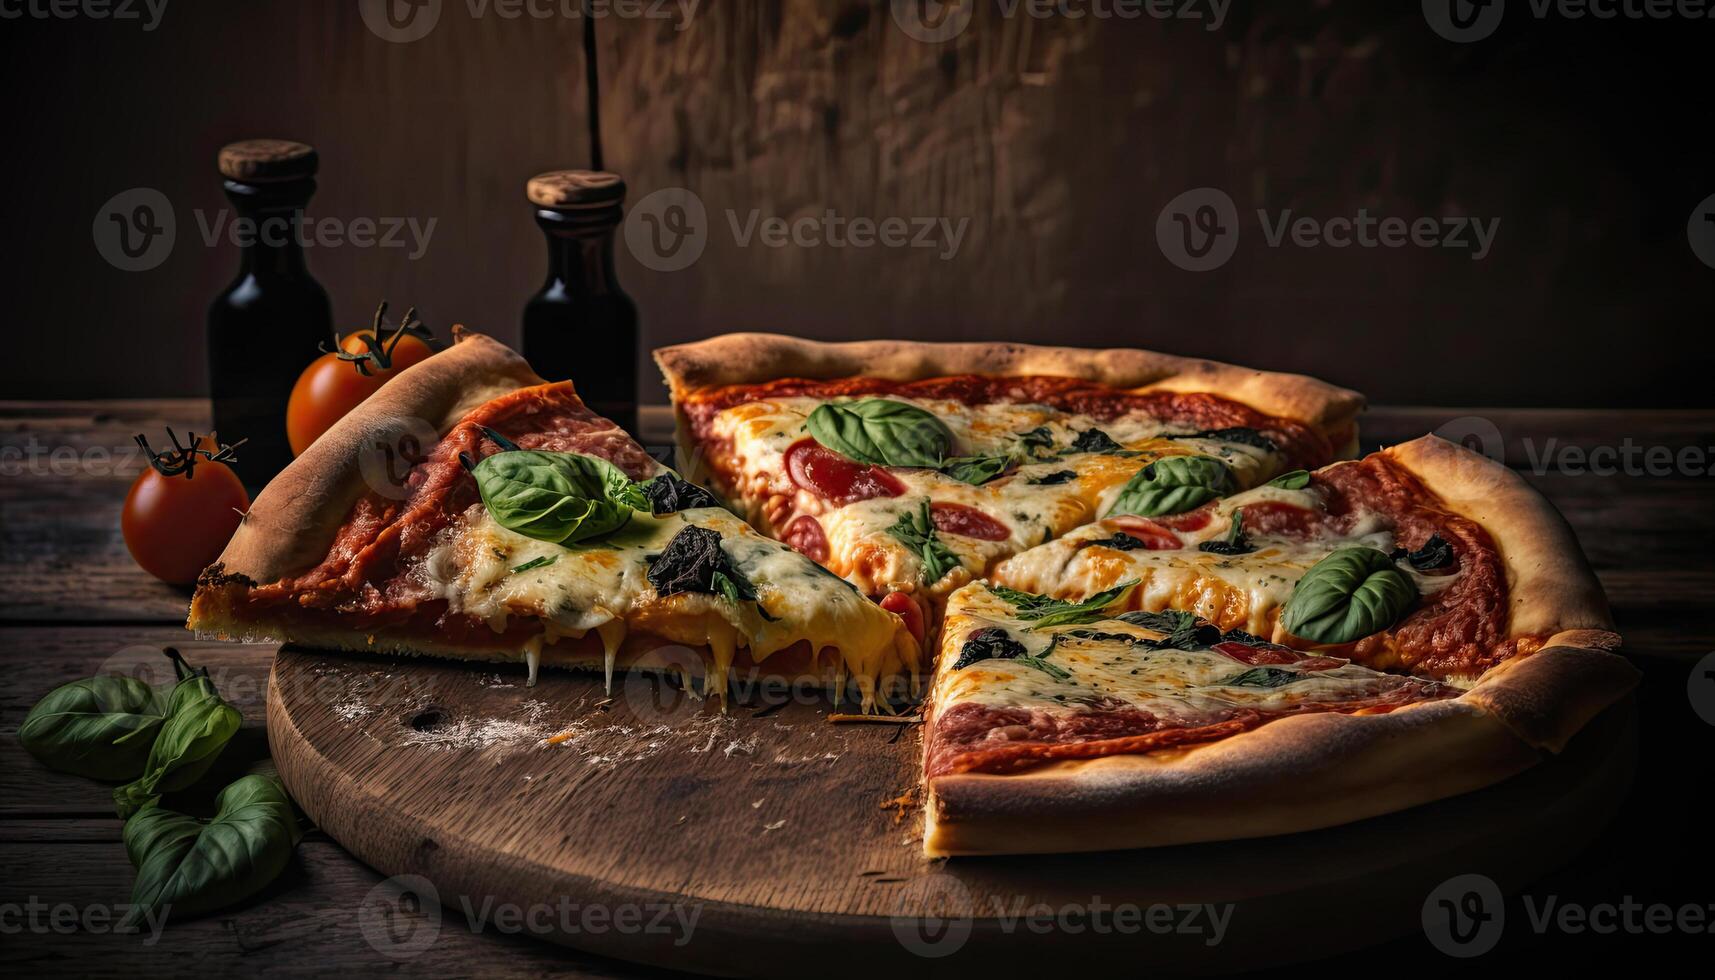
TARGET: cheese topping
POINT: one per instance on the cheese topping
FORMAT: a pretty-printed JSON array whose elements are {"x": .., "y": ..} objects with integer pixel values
[
  {"x": 479, "y": 568},
  {"x": 1065, "y": 674},
  {"x": 1035, "y": 502},
  {"x": 1233, "y": 591}
]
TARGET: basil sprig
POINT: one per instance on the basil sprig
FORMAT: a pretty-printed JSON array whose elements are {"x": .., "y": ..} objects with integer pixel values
[
  {"x": 916, "y": 529},
  {"x": 557, "y": 497},
  {"x": 881, "y": 432},
  {"x": 191, "y": 867},
  {"x": 975, "y": 470},
  {"x": 198, "y": 725},
  {"x": 1045, "y": 611},
  {"x": 1295, "y": 480},
  {"x": 1351, "y": 594},
  {"x": 98, "y": 727},
  {"x": 1173, "y": 485}
]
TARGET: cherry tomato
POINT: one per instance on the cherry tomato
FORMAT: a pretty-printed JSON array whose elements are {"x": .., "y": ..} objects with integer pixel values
[
  {"x": 330, "y": 387},
  {"x": 967, "y": 521},
  {"x": 905, "y": 608},
  {"x": 831, "y": 476},
  {"x": 805, "y": 536},
  {"x": 175, "y": 526}
]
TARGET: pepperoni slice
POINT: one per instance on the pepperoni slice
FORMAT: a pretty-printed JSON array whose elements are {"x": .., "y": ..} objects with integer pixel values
[
  {"x": 1193, "y": 520},
  {"x": 967, "y": 521},
  {"x": 828, "y": 475},
  {"x": 1286, "y": 520},
  {"x": 804, "y": 535},
  {"x": 1153, "y": 535},
  {"x": 905, "y": 608}
]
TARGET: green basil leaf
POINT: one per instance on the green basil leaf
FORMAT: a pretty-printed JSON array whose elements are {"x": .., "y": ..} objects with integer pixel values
[
  {"x": 975, "y": 470},
  {"x": 1173, "y": 485},
  {"x": 1351, "y": 594},
  {"x": 916, "y": 528},
  {"x": 198, "y": 726},
  {"x": 557, "y": 497},
  {"x": 1038, "y": 442},
  {"x": 881, "y": 432},
  {"x": 1094, "y": 441},
  {"x": 1047, "y": 611},
  {"x": 186, "y": 867},
  {"x": 99, "y": 727},
  {"x": 540, "y": 561},
  {"x": 1261, "y": 677},
  {"x": 1295, "y": 480},
  {"x": 1053, "y": 479}
]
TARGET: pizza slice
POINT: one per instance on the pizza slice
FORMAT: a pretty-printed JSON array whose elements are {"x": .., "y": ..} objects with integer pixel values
[
  {"x": 527, "y": 528},
  {"x": 1378, "y": 634},
  {"x": 909, "y": 469}
]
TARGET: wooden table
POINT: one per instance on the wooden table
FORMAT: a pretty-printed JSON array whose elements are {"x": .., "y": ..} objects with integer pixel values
[{"x": 1634, "y": 484}]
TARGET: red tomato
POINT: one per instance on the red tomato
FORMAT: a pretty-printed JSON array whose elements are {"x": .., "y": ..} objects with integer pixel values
[
  {"x": 1153, "y": 535},
  {"x": 905, "y": 608},
  {"x": 967, "y": 521},
  {"x": 805, "y": 536},
  {"x": 175, "y": 526},
  {"x": 330, "y": 387},
  {"x": 831, "y": 476}
]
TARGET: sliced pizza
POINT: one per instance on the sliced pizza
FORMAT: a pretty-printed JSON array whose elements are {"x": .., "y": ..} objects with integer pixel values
[
  {"x": 1378, "y": 634},
  {"x": 910, "y": 469},
  {"x": 531, "y": 530}
]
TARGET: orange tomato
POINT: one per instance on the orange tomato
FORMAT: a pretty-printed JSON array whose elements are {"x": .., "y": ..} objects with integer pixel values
[
  {"x": 330, "y": 387},
  {"x": 175, "y": 526}
]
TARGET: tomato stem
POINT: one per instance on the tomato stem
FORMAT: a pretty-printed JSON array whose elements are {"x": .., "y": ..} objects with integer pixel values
[
  {"x": 378, "y": 351},
  {"x": 182, "y": 459}
]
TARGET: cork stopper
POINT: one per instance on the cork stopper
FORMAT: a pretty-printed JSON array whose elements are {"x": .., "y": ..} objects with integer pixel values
[
  {"x": 575, "y": 189},
  {"x": 267, "y": 161}
]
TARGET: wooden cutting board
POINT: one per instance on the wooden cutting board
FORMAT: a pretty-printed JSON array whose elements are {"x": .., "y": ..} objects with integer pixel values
[{"x": 617, "y": 819}]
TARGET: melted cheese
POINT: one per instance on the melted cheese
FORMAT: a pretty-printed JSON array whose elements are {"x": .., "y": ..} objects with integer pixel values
[
  {"x": 863, "y": 552},
  {"x": 1183, "y": 687},
  {"x": 1233, "y": 591},
  {"x": 603, "y": 585}
]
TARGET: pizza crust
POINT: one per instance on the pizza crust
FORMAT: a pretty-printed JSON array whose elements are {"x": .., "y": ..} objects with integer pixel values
[
  {"x": 293, "y": 520},
  {"x": 749, "y": 358}
]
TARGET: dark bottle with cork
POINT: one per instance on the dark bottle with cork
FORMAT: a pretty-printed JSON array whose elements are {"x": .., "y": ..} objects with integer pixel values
[
  {"x": 581, "y": 325},
  {"x": 263, "y": 330}
]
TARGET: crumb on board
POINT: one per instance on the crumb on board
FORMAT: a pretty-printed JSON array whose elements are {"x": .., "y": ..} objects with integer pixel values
[{"x": 902, "y": 804}]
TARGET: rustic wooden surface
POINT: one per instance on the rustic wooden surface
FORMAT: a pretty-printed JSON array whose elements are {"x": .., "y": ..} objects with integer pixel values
[{"x": 74, "y": 604}]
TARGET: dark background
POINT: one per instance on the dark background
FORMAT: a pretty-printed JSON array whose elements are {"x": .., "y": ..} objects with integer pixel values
[{"x": 1061, "y": 140}]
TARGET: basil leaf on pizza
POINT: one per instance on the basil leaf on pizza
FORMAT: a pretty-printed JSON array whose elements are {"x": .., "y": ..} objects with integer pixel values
[
  {"x": 1045, "y": 611},
  {"x": 975, "y": 470},
  {"x": 1261, "y": 677},
  {"x": 916, "y": 529},
  {"x": 1239, "y": 435},
  {"x": 1173, "y": 485},
  {"x": 669, "y": 494},
  {"x": 881, "y": 432},
  {"x": 557, "y": 497},
  {"x": 1235, "y": 543},
  {"x": 1435, "y": 554},
  {"x": 1295, "y": 480},
  {"x": 1095, "y": 441},
  {"x": 1351, "y": 594},
  {"x": 992, "y": 643}
]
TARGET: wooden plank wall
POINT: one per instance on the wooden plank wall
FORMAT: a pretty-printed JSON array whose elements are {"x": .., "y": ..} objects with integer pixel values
[{"x": 1058, "y": 140}]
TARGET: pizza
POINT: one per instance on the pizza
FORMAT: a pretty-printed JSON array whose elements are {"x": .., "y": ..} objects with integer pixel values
[
  {"x": 1153, "y": 600},
  {"x": 533, "y": 531},
  {"x": 1166, "y": 604},
  {"x": 1338, "y": 644},
  {"x": 912, "y": 469}
]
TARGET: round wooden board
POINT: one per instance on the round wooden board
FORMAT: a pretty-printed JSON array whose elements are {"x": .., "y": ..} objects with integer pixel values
[{"x": 767, "y": 824}]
